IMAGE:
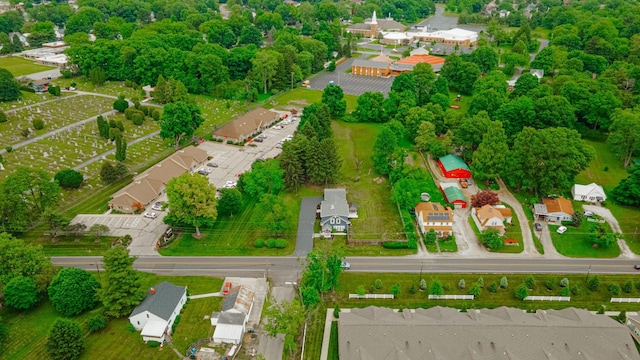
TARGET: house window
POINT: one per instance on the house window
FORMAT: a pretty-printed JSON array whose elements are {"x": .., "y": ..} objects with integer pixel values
[{"x": 332, "y": 220}]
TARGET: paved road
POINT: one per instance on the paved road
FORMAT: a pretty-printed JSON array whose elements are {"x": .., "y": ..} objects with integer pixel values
[
  {"x": 53, "y": 73},
  {"x": 287, "y": 268},
  {"x": 304, "y": 238}
]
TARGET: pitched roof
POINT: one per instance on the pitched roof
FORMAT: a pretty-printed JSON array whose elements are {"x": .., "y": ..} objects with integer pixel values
[
  {"x": 486, "y": 334},
  {"x": 382, "y": 58},
  {"x": 359, "y": 27},
  {"x": 239, "y": 299},
  {"x": 431, "y": 211},
  {"x": 370, "y": 63},
  {"x": 421, "y": 58},
  {"x": 142, "y": 191},
  {"x": 452, "y": 162},
  {"x": 592, "y": 188},
  {"x": 247, "y": 124},
  {"x": 334, "y": 203},
  {"x": 487, "y": 212},
  {"x": 558, "y": 205},
  {"x": 453, "y": 193},
  {"x": 163, "y": 302}
]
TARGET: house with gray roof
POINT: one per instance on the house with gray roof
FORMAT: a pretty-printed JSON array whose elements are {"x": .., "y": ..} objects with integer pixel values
[
  {"x": 231, "y": 322},
  {"x": 335, "y": 212},
  {"x": 487, "y": 334},
  {"x": 157, "y": 312}
]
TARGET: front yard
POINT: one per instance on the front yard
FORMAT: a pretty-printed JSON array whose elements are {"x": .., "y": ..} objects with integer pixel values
[
  {"x": 576, "y": 242},
  {"x": 19, "y": 66}
]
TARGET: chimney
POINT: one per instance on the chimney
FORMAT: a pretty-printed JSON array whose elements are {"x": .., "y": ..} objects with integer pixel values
[{"x": 152, "y": 291}]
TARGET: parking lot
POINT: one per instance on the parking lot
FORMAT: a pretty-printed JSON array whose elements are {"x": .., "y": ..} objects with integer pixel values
[{"x": 352, "y": 84}]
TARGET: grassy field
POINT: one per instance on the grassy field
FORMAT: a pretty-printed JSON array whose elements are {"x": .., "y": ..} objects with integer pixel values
[
  {"x": 464, "y": 102},
  {"x": 303, "y": 97},
  {"x": 113, "y": 88},
  {"x": 19, "y": 66},
  {"x": 29, "y": 98},
  {"x": 575, "y": 242},
  {"x": 607, "y": 170},
  {"x": 193, "y": 324},
  {"x": 334, "y": 350},
  {"x": 513, "y": 231},
  {"x": 28, "y": 330}
]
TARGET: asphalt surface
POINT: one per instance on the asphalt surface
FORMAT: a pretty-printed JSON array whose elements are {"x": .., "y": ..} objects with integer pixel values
[
  {"x": 352, "y": 84},
  {"x": 304, "y": 238}
]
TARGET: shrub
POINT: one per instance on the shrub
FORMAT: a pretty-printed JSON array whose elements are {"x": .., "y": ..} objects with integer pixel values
[
  {"x": 494, "y": 186},
  {"x": 25, "y": 132},
  {"x": 550, "y": 283},
  {"x": 564, "y": 282},
  {"x": 378, "y": 284},
  {"x": 522, "y": 292},
  {"x": 3, "y": 116},
  {"x": 120, "y": 126},
  {"x": 176, "y": 322},
  {"x": 131, "y": 328},
  {"x": 360, "y": 290},
  {"x": 504, "y": 282},
  {"x": 38, "y": 124},
  {"x": 271, "y": 243},
  {"x": 395, "y": 289},
  {"x": 96, "y": 323},
  {"x": 153, "y": 344},
  {"x": 69, "y": 178},
  {"x": 565, "y": 291},
  {"x": 128, "y": 83},
  {"x": 637, "y": 284},
  {"x": 137, "y": 118},
  {"x": 614, "y": 289},
  {"x": 493, "y": 288},
  {"x": 259, "y": 243},
  {"x": 9, "y": 149},
  {"x": 128, "y": 113},
  {"x": 436, "y": 288},
  {"x": 462, "y": 284},
  {"x": 475, "y": 290},
  {"x": 413, "y": 289},
  {"x": 575, "y": 290},
  {"x": 530, "y": 281},
  {"x": 146, "y": 110},
  {"x": 593, "y": 283},
  {"x": 622, "y": 317},
  {"x": 336, "y": 312},
  {"x": 480, "y": 282},
  {"x": 423, "y": 284},
  {"x": 395, "y": 245},
  {"x": 281, "y": 243},
  {"x": 155, "y": 114},
  {"x": 627, "y": 287}
]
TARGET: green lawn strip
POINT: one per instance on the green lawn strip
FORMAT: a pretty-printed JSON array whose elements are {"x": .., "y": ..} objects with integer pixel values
[
  {"x": 334, "y": 350},
  {"x": 194, "y": 322},
  {"x": 19, "y": 66},
  {"x": 606, "y": 170},
  {"x": 513, "y": 231},
  {"x": 575, "y": 242},
  {"x": 447, "y": 246},
  {"x": 315, "y": 333},
  {"x": 231, "y": 237},
  {"x": 349, "y": 282},
  {"x": 112, "y": 88},
  {"x": 67, "y": 246},
  {"x": 303, "y": 97}
]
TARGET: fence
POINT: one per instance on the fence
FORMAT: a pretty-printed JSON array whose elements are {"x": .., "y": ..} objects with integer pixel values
[
  {"x": 451, "y": 297},
  {"x": 625, "y": 300},
  {"x": 371, "y": 296},
  {"x": 548, "y": 298}
]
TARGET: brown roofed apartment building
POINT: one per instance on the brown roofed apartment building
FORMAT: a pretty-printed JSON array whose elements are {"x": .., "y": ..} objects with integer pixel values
[
  {"x": 152, "y": 183},
  {"x": 247, "y": 125}
]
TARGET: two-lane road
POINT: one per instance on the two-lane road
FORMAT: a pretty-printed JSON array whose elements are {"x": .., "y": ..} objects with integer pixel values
[{"x": 289, "y": 268}]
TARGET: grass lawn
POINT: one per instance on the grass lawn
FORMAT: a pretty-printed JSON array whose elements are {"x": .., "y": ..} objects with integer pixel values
[
  {"x": 28, "y": 330},
  {"x": 66, "y": 246},
  {"x": 448, "y": 246},
  {"x": 334, "y": 350},
  {"x": 113, "y": 88},
  {"x": 29, "y": 98},
  {"x": 193, "y": 326},
  {"x": 303, "y": 97},
  {"x": 575, "y": 242},
  {"x": 19, "y": 66},
  {"x": 606, "y": 170},
  {"x": 464, "y": 103},
  {"x": 513, "y": 232}
]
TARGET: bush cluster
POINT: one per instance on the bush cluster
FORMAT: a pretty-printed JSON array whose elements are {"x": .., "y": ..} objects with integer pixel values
[{"x": 396, "y": 245}]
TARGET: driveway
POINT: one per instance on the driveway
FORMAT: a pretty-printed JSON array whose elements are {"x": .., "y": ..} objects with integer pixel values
[
  {"x": 606, "y": 214},
  {"x": 304, "y": 239},
  {"x": 271, "y": 347},
  {"x": 527, "y": 238}
]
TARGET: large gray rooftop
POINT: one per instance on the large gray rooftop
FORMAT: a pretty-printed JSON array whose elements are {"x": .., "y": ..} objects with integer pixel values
[
  {"x": 488, "y": 334},
  {"x": 162, "y": 302}
]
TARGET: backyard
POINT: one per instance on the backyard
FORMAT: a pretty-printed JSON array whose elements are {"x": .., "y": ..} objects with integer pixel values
[
  {"x": 28, "y": 330},
  {"x": 19, "y": 66}
]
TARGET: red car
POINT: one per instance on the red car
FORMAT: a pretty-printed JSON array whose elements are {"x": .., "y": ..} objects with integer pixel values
[{"x": 226, "y": 288}]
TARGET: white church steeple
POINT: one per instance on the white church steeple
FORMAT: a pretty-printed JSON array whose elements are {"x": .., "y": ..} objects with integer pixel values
[{"x": 374, "y": 19}]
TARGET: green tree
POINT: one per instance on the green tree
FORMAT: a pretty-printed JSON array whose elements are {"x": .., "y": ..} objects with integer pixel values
[
  {"x": 544, "y": 60},
  {"x": 424, "y": 82},
  {"x": 370, "y": 108},
  {"x": 121, "y": 147},
  {"x": 265, "y": 67},
  {"x": 122, "y": 289},
  {"x": 56, "y": 221},
  {"x": 110, "y": 172},
  {"x": 21, "y": 293},
  {"x": 324, "y": 163},
  {"x": 192, "y": 202},
  {"x": 292, "y": 161},
  {"x": 333, "y": 97},
  {"x": 9, "y": 86},
  {"x": 522, "y": 292},
  {"x": 73, "y": 291},
  {"x": 179, "y": 119},
  {"x": 18, "y": 259},
  {"x": 524, "y": 84},
  {"x": 504, "y": 282},
  {"x": 491, "y": 239},
  {"x": 69, "y": 178},
  {"x": 624, "y": 134},
  {"x": 230, "y": 202},
  {"x": 162, "y": 91},
  {"x": 426, "y": 136},
  {"x": 593, "y": 283},
  {"x": 250, "y": 35},
  {"x": 554, "y": 111},
  {"x": 628, "y": 190},
  {"x": 66, "y": 341},
  {"x": 285, "y": 318},
  {"x": 272, "y": 215},
  {"x": 490, "y": 157},
  {"x": 322, "y": 269},
  {"x": 530, "y": 282},
  {"x": 383, "y": 149},
  {"x": 486, "y": 58},
  {"x": 121, "y": 104},
  {"x": 316, "y": 121},
  {"x": 97, "y": 76},
  {"x": 265, "y": 177},
  {"x": 436, "y": 288},
  {"x": 515, "y": 115}
]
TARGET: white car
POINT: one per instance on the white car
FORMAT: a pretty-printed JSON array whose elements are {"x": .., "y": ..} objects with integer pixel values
[
  {"x": 561, "y": 229},
  {"x": 588, "y": 213},
  {"x": 345, "y": 265},
  {"x": 230, "y": 184},
  {"x": 157, "y": 206},
  {"x": 150, "y": 215}
]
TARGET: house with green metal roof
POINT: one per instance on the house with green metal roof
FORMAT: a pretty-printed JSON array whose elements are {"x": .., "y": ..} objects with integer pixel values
[
  {"x": 453, "y": 195},
  {"x": 454, "y": 167}
]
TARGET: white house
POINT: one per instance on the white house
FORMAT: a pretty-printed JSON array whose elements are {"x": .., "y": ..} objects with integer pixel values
[
  {"x": 231, "y": 322},
  {"x": 592, "y": 193},
  {"x": 157, "y": 312},
  {"x": 492, "y": 217},
  {"x": 433, "y": 216}
]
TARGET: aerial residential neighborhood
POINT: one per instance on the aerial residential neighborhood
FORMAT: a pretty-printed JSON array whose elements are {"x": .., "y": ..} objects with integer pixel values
[{"x": 352, "y": 179}]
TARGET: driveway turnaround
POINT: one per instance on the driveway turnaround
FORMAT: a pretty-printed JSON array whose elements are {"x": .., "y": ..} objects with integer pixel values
[{"x": 304, "y": 239}]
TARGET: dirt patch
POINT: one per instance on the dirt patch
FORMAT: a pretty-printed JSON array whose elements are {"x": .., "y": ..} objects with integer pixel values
[{"x": 379, "y": 180}]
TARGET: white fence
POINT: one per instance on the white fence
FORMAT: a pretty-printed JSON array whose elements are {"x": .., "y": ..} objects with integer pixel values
[
  {"x": 371, "y": 296},
  {"x": 548, "y": 298},
  {"x": 625, "y": 300},
  {"x": 451, "y": 297}
]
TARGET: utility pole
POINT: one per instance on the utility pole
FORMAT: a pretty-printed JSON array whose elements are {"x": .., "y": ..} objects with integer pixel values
[
  {"x": 292, "y": 80},
  {"x": 588, "y": 272}
]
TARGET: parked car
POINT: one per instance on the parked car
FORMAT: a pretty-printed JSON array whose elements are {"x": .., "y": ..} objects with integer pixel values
[
  {"x": 150, "y": 215},
  {"x": 258, "y": 139},
  {"x": 464, "y": 183},
  {"x": 278, "y": 146},
  {"x": 157, "y": 206},
  {"x": 561, "y": 230},
  {"x": 588, "y": 213},
  {"x": 230, "y": 184},
  {"x": 345, "y": 265},
  {"x": 226, "y": 288},
  {"x": 537, "y": 226},
  {"x": 636, "y": 266},
  {"x": 212, "y": 164}
]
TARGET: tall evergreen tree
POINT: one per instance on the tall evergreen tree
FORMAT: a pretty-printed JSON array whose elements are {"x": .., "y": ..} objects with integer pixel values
[
  {"x": 122, "y": 289},
  {"x": 66, "y": 341},
  {"x": 121, "y": 147}
]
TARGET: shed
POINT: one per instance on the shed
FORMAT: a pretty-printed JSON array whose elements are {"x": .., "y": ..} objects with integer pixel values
[
  {"x": 454, "y": 196},
  {"x": 454, "y": 167}
]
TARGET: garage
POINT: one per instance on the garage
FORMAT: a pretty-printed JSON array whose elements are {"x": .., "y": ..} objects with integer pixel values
[{"x": 454, "y": 167}]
